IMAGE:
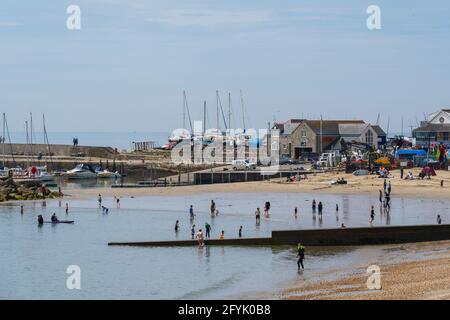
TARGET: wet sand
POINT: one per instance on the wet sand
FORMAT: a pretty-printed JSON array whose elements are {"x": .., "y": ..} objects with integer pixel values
[
  {"x": 426, "y": 277},
  {"x": 319, "y": 183}
]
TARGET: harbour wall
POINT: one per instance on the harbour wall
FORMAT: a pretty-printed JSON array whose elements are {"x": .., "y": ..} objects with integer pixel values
[
  {"x": 58, "y": 150},
  {"x": 324, "y": 237}
]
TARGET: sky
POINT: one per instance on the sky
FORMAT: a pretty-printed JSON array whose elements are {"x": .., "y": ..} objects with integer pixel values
[{"x": 127, "y": 67}]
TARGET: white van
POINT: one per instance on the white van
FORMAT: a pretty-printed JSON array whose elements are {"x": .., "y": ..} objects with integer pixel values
[{"x": 243, "y": 165}]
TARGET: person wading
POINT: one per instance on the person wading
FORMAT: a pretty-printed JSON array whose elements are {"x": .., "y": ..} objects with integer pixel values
[
  {"x": 300, "y": 256},
  {"x": 258, "y": 216}
]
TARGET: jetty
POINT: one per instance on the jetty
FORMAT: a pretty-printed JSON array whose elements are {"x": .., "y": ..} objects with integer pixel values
[{"x": 322, "y": 237}]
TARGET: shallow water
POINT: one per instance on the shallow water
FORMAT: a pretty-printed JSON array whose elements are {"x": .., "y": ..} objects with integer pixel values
[{"x": 34, "y": 259}]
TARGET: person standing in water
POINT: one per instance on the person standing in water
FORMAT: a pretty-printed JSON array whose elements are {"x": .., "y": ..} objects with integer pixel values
[
  {"x": 295, "y": 212},
  {"x": 381, "y": 196},
  {"x": 439, "y": 220},
  {"x": 389, "y": 188},
  {"x": 240, "y": 232},
  {"x": 320, "y": 207},
  {"x": 40, "y": 219},
  {"x": 201, "y": 243},
  {"x": 372, "y": 215},
  {"x": 118, "y": 202},
  {"x": 266, "y": 208},
  {"x": 99, "y": 200},
  {"x": 213, "y": 208},
  {"x": 177, "y": 226},
  {"x": 191, "y": 212},
  {"x": 384, "y": 185},
  {"x": 67, "y": 208},
  {"x": 300, "y": 256},
  {"x": 258, "y": 216},
  {"x": 207, "y": 230},
  {"x": 222, "y": 235},
  {"x": 193, "y": 231},
  {"x": 314, "y": 206},
  {"x": 21, "y": 209}
]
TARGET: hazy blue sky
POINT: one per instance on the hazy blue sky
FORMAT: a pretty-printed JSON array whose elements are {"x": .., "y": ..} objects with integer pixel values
[{"x": 128, "y": 65}]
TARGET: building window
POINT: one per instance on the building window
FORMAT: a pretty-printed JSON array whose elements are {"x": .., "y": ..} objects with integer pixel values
[
  {"x": 369, "y": 137},
  {"x": 303, "y": 133}
]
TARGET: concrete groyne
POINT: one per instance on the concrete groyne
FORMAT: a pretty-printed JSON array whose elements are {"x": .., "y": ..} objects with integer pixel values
[{"x": 323, "y": 237}]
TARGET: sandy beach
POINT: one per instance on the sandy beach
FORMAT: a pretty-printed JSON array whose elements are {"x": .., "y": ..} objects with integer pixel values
[
  {"x": 319, "y": 183},
  {"x": 426, "y": 277}
]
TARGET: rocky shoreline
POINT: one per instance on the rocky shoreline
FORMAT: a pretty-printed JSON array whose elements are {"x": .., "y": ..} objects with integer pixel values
[{"x": 11, "y": 189}]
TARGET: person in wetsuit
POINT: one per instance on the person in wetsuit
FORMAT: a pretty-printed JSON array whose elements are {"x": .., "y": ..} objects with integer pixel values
[
  {"x": 40, "y": 219},
  {"x": 301, "y": 256}
]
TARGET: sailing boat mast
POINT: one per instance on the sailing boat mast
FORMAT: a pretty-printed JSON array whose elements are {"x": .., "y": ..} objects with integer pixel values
[
  {"x": 3, "y": 138},
  {"x": 5, "y": 128},
  {"x": 31, "y": 135},
  {"x": 204, "y": 119},
  {"x": 242, "y": 107},
  {"x": 46, "y": 140},
  {"x": 217, "y": 109},
  {"x": 186, "y": 109},
  {"x": 28, "y": 142},
  {"x": 229, "y": 110}
]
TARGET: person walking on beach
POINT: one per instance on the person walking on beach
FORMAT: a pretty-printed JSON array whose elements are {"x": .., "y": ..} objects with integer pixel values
[
  {"x": 99, "y": 200},
  {"x": 372, "y": 215},
  {"x": 177, "y": 226},
  {"x": 314, "y": 206},
  {"x": 240, "y": 232},
  {"x": 258, "y": 216},
  {"x": 381, "y": 196},
  {"x": 193, "y": 231},
  {"x": 207, "y": 230},
  {"x": 201, "y": 243},
  {"x": 439, "y": 220},
  {"x": 389, "y": 187},
  {"x": 266, "y": 208},
  {"x": 300, "y": 256},
  {"x": 384, "y": 185},
  {"x": 213, "y": 208},
  {"x": 320, "y": 207},
  {"x": 67, "y": 208}
]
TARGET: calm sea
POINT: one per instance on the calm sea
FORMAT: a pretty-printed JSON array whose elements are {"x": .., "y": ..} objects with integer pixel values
[
  {"x": 34, "y": 260},
  {"x": 120, "y": 140}
]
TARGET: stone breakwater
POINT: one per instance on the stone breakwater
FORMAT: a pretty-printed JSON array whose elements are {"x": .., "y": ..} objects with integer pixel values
[{"x": 11, "y": 189}]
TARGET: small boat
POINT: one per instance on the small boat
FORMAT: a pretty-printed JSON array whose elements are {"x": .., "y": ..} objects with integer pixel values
[
  {"x": 81, "y": 171},
  {"x": 41, "y": 173},
  {"x": 60, "y": 221},
  {"x": 108, "y": 174}
]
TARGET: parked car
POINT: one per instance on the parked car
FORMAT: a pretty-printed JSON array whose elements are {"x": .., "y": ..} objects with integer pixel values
[
  {"x": 243, "y": 165},
  {"x": 286, "y": 160}
]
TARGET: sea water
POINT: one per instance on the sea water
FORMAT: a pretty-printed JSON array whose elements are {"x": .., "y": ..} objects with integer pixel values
[{"x": 34, "y": 259}]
